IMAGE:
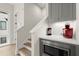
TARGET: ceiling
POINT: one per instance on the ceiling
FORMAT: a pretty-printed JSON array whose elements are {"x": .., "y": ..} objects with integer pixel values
[{"x": 41, "y": 5}]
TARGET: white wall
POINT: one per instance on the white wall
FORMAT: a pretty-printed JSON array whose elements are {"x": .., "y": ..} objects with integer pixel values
[
  {"x": 4, "y": 33},
  {"x": 9, "y": 9},
  {"x": 19, "y": 11},
  {"x": 57, "y": 28},
  {"x": 77, "y": 16},
  {"x": 77, "y": 26},
  {"x": 32, "y": 16}
]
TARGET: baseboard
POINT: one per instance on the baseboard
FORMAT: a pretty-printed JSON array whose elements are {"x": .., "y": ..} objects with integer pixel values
[{"x": 6, "y": 44}]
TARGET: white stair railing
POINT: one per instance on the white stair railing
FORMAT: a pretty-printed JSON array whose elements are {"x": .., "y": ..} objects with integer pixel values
[{"x": 38, "y": 25}]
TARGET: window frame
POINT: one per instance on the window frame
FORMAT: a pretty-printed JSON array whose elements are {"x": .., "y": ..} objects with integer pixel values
[{"x": 5, "y": 25}]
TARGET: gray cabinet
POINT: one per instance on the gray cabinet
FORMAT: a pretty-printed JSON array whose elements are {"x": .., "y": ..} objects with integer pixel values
[
  {"x": 74, "y": 11},
  {"x": 55, "y": 12},
  {"x": 61, "y": 12},
  {"x": 68, "y": 11}
]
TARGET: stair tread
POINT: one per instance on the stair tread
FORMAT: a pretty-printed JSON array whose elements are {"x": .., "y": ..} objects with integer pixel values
[
  {"x": 25, "y": 52},
  {"x": 29, "y": 48},
  {"x": 28, "y": 44},
  {"x": 29, "y": 39}
]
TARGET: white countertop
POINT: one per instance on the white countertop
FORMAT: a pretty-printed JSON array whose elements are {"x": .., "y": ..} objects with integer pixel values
[{"x": 60, "y": 38}]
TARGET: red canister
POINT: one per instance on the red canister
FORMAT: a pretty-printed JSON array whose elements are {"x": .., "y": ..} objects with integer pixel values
[{"x": 67, "y": 31}]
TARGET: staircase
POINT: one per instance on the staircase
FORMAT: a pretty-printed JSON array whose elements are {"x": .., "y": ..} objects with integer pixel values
[{"x": 26, "y": 50}]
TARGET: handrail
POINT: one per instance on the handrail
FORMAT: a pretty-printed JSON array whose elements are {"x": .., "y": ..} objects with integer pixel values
[{"x": 20, "y": 28}]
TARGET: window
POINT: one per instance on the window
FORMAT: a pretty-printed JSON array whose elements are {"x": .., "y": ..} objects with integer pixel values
[
  {"x": 2, "y": 25},
  {"x": 2, "y": 40}
]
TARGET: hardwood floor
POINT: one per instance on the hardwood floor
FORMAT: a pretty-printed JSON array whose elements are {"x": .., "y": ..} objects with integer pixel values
[
  {"x": 8, "y": 50},
  {"x": 24, "y": 52}
]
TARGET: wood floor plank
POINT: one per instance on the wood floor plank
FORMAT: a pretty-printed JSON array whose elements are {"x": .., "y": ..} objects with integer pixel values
[
  {"x": 24, "y": 52},
  {"x": 8, "y": 50}
]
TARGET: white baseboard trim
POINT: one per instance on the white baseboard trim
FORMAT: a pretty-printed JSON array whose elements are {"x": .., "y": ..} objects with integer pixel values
[{"x": 5, "y": 44}]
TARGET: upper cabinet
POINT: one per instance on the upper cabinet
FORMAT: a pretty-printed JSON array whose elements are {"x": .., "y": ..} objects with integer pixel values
[
  {"x": 55, "y": 12},
  {"x": 61, "y": 12},
  {"x": 68, "y": 11},
  {"x": 74, "y": 11}
]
